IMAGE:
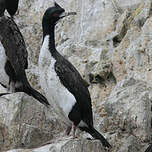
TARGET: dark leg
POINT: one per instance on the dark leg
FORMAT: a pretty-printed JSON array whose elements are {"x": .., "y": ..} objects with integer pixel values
[
  {"x": 68, "y": 130},
  {"x": 75, "y": 117},
  {"x": 74, "y": 130}
]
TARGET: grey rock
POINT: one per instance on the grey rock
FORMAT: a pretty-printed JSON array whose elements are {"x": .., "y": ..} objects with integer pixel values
[
  {"x": 68, "y": 145},
  {"x": 130, "y": 144},
  {"x": 129, "y": 111},
  {"x": 108, "y": 39},
  {"x": 23, "y": 122}
]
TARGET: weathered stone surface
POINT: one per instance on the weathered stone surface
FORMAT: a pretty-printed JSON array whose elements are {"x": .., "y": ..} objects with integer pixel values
[
  {"x": 129, "y": 112},
  {"x": 131, "y": 56},
  {"x": 68, "y": 145},
  {"x": 109, "y": 42},
  {"x": 23, "y": 122}
]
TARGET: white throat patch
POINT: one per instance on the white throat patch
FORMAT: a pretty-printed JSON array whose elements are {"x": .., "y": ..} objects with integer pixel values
[{"x": 4, "y": 79}]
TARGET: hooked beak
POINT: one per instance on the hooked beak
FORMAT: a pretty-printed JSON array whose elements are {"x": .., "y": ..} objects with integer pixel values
[{"x": 64, "y": 14}]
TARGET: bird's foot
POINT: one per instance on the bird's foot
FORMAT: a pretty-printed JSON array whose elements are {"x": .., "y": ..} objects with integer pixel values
[
  {"x": 68, "y": 130},
  {"x": 74, "y": 130}
]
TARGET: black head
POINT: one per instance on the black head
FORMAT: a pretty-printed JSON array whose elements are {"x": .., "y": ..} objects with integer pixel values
[
  {"x": 50, "y": 18},
  {"x": 53, "y": 14}
]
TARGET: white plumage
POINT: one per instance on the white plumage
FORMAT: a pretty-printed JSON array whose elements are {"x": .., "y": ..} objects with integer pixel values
[
  {"x": 4, "y": 79},
  {"x": 58, "y": 96}
]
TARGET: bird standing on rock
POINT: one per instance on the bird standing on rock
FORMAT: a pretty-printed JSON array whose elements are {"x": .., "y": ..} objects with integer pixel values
[
  {"x": 14, "y": 60},
  {"x": 64, "y": 87},
  {"x": 10, "y": 5}
]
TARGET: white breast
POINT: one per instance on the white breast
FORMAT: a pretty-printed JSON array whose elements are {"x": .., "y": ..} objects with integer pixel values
[
  {"x": 4, "y": 79},
  {"x": 59, "y": 97}
]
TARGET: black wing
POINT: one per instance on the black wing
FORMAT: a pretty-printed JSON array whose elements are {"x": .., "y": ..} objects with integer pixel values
[
  {"x": 14, "y": 46},
  {"x": 73, "y": 81},
  {"x": 16, "y": 53}
]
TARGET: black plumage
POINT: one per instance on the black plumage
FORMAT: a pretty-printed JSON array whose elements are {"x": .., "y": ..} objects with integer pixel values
[
  {"x": 2, "y": 7},
  {"x": 10, "y": 5},
  {"x": 70, "y": 78},
  {"x": 73, "y": 81},
  {"x": 17, "y": 59}
]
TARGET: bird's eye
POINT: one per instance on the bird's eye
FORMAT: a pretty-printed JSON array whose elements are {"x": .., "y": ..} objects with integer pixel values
[{"x": 54, "y": 14}]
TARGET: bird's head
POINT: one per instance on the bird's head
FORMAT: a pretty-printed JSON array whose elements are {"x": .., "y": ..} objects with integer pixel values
[{"x": 53, "y": 14}]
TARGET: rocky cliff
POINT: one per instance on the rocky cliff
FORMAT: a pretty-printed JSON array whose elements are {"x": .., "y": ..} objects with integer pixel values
[{"x": 110, "y": 43}]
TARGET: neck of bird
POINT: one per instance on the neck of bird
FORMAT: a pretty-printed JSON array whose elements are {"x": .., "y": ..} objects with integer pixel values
[{"x": 50, "y": 31}]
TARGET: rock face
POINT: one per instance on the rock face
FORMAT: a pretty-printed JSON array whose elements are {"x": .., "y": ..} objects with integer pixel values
[
  {"x": 129, "y": 113},
  {"x": 23, "y": 122},
  {"x": 110, "y": 43},
  {"x": 68, "y": 145}
]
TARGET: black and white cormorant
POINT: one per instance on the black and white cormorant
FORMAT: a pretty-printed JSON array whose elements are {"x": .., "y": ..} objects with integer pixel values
[
  {"x": 64, "y": 87},
  {"x": 14, "y": 60},
  {"x": 10, "y": 5},
  {"x": 149, "y": 149}
]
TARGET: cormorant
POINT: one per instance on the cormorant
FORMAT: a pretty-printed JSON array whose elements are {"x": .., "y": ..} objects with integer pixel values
[
  {"x": 63, "y": 85},
  {"x": 14, "y": 60}
]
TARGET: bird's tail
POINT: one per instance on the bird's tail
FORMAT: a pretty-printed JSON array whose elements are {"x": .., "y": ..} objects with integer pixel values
[
  {"x": 32, "y": 92},
  {"x": 95, "y": 134},
  {"x": 149, "y": 149}
]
